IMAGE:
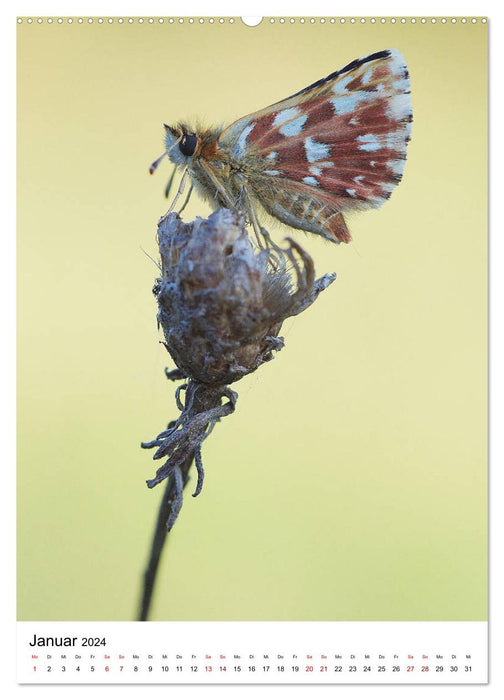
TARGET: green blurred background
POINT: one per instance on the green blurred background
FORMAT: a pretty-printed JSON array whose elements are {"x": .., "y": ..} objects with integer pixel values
[{"x": 350, "y": 484}]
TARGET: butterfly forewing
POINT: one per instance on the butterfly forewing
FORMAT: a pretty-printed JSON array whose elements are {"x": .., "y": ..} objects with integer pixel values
[{"x": 336, "y": 146}]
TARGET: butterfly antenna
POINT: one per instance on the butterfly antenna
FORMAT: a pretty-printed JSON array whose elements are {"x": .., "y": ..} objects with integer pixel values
[
  {"x": 170, "y": 183},
  {"x": 158, "y": 160}
]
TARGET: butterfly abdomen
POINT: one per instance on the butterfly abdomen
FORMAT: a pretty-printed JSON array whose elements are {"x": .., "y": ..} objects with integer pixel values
[{"x": 306, "y": 211}]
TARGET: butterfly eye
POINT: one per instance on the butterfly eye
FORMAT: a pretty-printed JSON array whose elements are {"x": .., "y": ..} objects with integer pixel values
[{"x": 188, "y": 144}]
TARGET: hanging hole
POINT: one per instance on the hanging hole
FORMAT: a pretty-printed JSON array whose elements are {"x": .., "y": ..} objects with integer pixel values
[{"x": 251, "y": 21}]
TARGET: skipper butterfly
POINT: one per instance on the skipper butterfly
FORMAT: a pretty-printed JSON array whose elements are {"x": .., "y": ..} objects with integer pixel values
[{"x": 337, "y": 146}]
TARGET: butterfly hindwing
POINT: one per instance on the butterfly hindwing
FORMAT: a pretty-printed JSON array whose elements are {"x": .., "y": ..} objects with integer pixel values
[{"x": 341, "y": 141}]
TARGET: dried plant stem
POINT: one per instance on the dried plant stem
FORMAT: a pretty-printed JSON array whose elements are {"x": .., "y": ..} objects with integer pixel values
[
  {"x": 159, "y": 539},
  {"x": 181, "y": 445}
]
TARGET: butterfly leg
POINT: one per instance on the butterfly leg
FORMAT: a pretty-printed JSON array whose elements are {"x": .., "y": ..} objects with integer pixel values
[
  {"x": 221, "y": 192},
  {"x": 228, "y": 201},
  {"x": 186, "y": 199},
  {"x": 277, "y": 256},
  {"x": 180, "y": 191},
  {"x": 253, "y": 218},
  {"x": 259, "y": 231}
]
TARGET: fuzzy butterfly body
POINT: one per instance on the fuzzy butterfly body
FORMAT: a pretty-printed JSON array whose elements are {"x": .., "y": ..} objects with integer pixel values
[{"x": 337, "y": 146}]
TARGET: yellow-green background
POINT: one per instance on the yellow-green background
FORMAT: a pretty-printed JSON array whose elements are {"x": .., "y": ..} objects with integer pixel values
[{"x": 350, "y": 484}]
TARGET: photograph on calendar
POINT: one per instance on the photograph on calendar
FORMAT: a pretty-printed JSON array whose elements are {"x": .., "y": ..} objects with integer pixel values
[{"x": 252, "y": 349}]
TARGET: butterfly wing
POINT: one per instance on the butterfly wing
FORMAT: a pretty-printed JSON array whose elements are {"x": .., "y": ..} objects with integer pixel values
[{"x": 337, "y": 145}]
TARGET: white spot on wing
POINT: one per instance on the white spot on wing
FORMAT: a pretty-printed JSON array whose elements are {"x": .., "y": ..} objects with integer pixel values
[
  {"x": 242, "y": 140},
  {"x": 402, "y": 85},
  {"x": 367, "y": 76},
  {"x": 349, "y": 102},
  {"x": 397, "y": 62},
  {"x": 294, "y": 127},
  {"x": 286, "y": 115},
  {"x": 310, "y": 181},
  {"x": 340, "y": 86},
  {"x": 397, "y": 166},
  {"x": 351, "y": 192},
  {"x": 399, "y": 106},
  {"x": 272, "y": 156},
  {"x": 397, "y": 139},
  {"x": 377, "y": 201},
  {"x": 368, "y": 142},
  {"x": 272, "y": 172},
  {"x": 315, "y": 151}
]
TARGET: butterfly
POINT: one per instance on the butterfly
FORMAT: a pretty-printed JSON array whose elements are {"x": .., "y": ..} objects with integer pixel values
[{"x": 337, "y": 146}]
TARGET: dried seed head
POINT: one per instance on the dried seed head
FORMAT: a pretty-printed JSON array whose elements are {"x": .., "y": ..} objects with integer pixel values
[
  {"x": 222, "y": 303},
  {"x": 221, "y": 306}
]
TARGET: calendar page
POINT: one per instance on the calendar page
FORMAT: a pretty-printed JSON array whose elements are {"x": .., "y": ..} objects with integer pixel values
[{"x": 252, "y": 349}]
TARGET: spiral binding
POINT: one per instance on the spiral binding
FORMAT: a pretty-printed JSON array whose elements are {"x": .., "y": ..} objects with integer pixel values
[{"x": 270, "y": 20}]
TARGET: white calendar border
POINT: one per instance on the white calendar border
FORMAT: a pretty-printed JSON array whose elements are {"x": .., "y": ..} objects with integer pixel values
[{"x": 7, "y": 653}]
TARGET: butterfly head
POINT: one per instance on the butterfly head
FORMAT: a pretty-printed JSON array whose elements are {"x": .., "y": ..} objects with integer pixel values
[{"x": 181, "y": 143}]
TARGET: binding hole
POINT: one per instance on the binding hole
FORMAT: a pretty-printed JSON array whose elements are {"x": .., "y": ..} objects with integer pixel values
[{"x": 251, "y": 21}]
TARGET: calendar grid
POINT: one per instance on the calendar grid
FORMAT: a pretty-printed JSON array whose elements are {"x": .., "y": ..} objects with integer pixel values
[{"x": 253, "y": 652}]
